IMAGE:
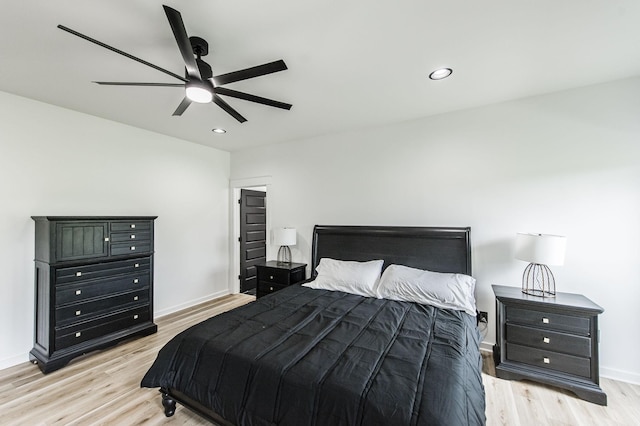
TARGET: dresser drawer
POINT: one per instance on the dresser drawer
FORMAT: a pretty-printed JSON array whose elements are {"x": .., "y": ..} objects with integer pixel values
[
  {"x": 126, "y": 226},
  {"x": 549, "y": 340},
  {"x": 101, "y": 270},
  {"x": 265, "y": 287},
  {"x": 273, "y": 275},
  {"x": 82, "y": 311},
  {"x": 99, "y": 288},
  {"x": 549, "y": 360},
  {"x": 87, "y": 330},
  {"x": 132, "y": 236},
  {"x": 548, "y": 320},
  {"x": 130, "y": 247}
]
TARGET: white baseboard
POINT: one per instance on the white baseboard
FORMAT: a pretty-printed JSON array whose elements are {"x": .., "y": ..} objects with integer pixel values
[
  {"x": 190, "y": 303},
  {"x": 13, "y": 360}
]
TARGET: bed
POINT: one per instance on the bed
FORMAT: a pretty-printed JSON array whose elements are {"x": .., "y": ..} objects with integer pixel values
[{"x": 309, "y": 356}]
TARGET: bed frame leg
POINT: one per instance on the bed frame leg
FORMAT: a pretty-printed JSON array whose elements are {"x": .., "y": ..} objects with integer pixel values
[{"x": 168, "y": 403}]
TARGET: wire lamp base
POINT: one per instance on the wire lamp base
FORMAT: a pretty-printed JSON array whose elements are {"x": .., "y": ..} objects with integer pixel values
[
  {"x": 284, "y": 255},
  {"x": 537, "y": 280}
]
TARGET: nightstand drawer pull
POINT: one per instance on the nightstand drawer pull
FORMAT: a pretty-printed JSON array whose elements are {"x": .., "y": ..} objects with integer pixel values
[
  {"x": 133, "y": 236},
  {"x": 546, "y": 340},
  {"x": 78, "y": 313},
  {"x": 133, "y": 225},
  {"x": 106, "y": 240},
  {"x": 133, "y": 248},
  {"x": 270, "y": 288},
  {"x": 546, "y": 360},
  {"x": 135, "y": 297},
  {"x": 78, "y": 334},
  {"x": 135, "y": 281},
  {"x": 135, "y": 316},
  {"x": 78, "y": 274},
  {"x": 137, "y": 265},
  {"x": 545, "y": 320},
  {"x": 270, "y": 277},
  {"x": 78, "y": 292}
]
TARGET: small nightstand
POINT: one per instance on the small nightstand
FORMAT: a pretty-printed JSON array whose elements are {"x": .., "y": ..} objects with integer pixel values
[
  {"x": 274, "y": 276},
  {"x": 551, "y": 340}
]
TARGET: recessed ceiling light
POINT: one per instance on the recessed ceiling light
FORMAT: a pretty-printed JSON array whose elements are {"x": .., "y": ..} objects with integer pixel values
[
  {"x": 219, "y": 131},
  {"x": 441, "y": 73}
]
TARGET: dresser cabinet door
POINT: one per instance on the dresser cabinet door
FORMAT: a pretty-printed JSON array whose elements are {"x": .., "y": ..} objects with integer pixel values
[{"x": 81, "y": 240}]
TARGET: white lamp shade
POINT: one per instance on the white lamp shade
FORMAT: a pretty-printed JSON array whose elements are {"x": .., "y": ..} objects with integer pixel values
[
  {"x": 543, "y": 249},
  {"x": 284, "y": 236}
]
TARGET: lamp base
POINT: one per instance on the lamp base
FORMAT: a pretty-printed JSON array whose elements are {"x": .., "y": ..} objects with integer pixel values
[
  {"x": 537, "y": 280},
  {"x": 284, "y": 255}
]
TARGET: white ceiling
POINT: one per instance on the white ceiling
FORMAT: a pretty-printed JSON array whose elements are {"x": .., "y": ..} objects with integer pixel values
[{"x": 352, "y": 64}]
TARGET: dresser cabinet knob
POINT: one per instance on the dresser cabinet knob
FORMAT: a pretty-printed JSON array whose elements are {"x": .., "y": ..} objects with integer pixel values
[
  {"x": 270, "y": 277},
  {"x": 135, "y": 281},
  {"x": 137, "y": 265},
  {"x": 545, "y": 339},
  {"x": 270, "y": 288},
  {"x": 135, "y": 316},
  {"x": 135, "y": 297},
  {"x": 78, "y": 292},
  {"x": 545, "y": 320},
  {"x": 133, "y": 225},
  {"x": 546, "y": 360},
  {"x": 133, "y": 236},
  {"x": 78, "y": 334},
  {"x": 106, "y": 239},
  {"x": 78, "y": 274},
  {"x": 78, "y": 313},
  {"x": 133, "y": 248}
]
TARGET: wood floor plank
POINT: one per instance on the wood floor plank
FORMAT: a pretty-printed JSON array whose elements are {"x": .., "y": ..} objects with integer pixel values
[{"x": 103, "y": 388}]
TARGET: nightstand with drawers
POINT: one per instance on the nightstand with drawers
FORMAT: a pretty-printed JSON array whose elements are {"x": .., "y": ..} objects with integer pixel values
[
  {"x": 274, "y": 276},
  {"x": 551, "y": 340}
]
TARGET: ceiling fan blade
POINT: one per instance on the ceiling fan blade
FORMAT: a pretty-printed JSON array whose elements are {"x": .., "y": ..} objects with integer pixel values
[
  {"x": 182, "y": 107},
  {"x": 180, "y": 34},
  {"x": 225, "y": 106},
  {"x": 252, "y": 72},
  {"x": 252, "y": 98},
  {"x": 113, "y": 49},
  {"x": 127, "y": 83}
]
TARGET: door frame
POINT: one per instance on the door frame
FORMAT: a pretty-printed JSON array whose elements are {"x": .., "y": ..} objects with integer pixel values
[{"x": 235, "y": 185}]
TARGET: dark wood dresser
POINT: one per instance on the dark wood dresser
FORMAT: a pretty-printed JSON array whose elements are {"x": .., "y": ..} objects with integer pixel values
[
  {"x": 93, "y": 285},
  {"x": 274, "y": 276},
  {"x": 551, "y": 340}
]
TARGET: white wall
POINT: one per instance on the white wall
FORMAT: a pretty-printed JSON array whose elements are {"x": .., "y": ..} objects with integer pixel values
[
  {"x": 55, "y": 161},
  {"x": 566, "y": 163}
]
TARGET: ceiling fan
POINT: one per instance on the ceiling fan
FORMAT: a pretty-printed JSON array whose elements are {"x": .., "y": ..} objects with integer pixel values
[{"x": 199, "y": 83}]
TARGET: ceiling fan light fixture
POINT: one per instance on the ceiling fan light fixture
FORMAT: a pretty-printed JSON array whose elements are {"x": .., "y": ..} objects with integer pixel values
[
  {"x": 219, "y": 131},
  {"x": 440, "y": 73},
  {"x": 198, "y": 93}
]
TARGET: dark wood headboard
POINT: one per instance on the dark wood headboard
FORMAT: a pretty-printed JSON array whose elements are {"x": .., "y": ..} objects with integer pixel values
[{"x": 431, "y": 248}]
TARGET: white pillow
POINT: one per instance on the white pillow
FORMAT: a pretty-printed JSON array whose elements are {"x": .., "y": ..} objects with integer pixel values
[
  {"x": 449, "y": 291},
  {"x": 359, "y": 278}
]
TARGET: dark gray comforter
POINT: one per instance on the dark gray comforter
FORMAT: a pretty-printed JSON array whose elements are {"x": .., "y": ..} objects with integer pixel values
[{"x": 315, "y": 357}]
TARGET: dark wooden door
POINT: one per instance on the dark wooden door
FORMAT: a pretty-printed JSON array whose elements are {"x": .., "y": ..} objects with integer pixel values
[{"x": 253, "y": 236}]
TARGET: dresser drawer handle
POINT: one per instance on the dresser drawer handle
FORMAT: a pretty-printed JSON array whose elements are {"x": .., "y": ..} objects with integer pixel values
[
  {"x": 133, "y": 236},
  {"x": 78, "y": 334},
  {"x": 135, "y": 316},
  {"x": 270, "y": 288},
  {"x": 137, "y": 265},
  {"x": 546, "y": 360},
  {"x": 133, "y": 225},
  {"x": 135, "y": 297},
  {"x": 545, "y": 340},
  {"x": 78, "y": 313},
  {"x": 78, "y": 292},
  {"x": 133, "y": 248},
  {"x": 106, "y": 239},
  {"x": 135, "y": 281},
  {"x": 545, "y": 320},
  {"x": 270, "y": 277},
  {"x": 78, "y": 274}
]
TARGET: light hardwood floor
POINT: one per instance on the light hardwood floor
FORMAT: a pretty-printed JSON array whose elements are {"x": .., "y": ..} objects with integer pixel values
[{"x": 103, "y": 388}]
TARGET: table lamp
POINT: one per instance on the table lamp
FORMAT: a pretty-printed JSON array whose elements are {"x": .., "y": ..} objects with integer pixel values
[
  {"x": 540, "y": 250},
  {"x": 284, "y": 237}
]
